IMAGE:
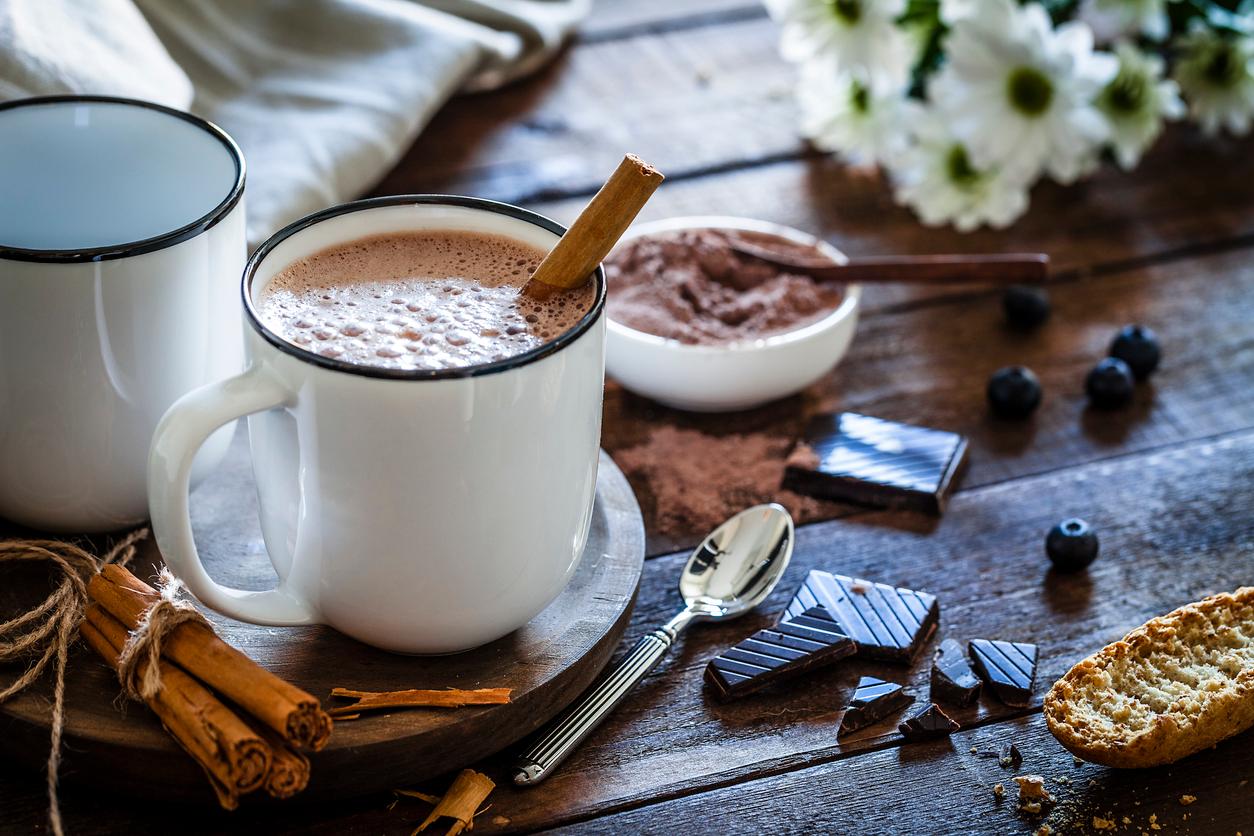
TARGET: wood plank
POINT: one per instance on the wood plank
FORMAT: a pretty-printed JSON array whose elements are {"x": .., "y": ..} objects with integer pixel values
[
  {"x": 689, "y": 100},
  {"x": 1174, "y": 527},
  {"x": 941, "y": 787},
  {"x": 620, "y": 18},
  {"x": 929, "y": 366}
]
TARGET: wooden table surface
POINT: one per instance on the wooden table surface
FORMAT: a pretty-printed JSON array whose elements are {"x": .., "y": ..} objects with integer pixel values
[{"x": 697, "y": 88}]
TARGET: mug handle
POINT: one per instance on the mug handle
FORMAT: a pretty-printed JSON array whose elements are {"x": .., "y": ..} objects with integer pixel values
[{"x": 181, "y": 432}]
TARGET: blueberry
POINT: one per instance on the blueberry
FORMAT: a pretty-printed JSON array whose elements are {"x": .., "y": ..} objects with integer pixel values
[
  {"x": 1013, "y": 392},
  {"x": 1026, "y": 306},
  {"x": 1109, "y": 384},
  {"x": 1137, "y": 346},
  {"x": 1071, "y": 545}
]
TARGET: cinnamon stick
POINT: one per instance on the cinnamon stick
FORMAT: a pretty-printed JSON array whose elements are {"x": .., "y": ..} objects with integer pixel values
[
  {"x": 294, "y": 714},
  {"x": 233, "y": 756},
  {"x": 594, "y": 233},
  {"x": 461, "y": 802},
  {"x": 448, "y": 698},
  {"x": 289, "y": 769}
]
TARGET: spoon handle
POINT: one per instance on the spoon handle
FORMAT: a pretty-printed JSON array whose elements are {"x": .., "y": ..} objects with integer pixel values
[{"x": 568, "y": 731}]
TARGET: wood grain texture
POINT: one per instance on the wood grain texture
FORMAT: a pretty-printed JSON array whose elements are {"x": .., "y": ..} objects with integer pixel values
[
  {"x": 546, "y": 663},
  {"x": 1174, "y": 528},
  {"x": 942, "y": 787},
  {"x": 929, "y": 366}
]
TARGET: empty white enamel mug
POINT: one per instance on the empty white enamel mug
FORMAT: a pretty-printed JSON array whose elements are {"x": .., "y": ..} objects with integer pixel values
[
  {"x": 121, "y": 244},
  {"x": 417, "y": 511}
]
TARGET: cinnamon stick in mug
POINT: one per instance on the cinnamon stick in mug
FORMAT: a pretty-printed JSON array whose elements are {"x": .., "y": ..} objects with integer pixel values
[
  {"x": 294, "y": 714},
  {"x": 597, "y": 229},
  {"x": 234, "y": 757}
]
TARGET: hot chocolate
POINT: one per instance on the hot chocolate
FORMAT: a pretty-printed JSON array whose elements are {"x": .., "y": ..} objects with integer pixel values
[{"x": 434, "y": 299}]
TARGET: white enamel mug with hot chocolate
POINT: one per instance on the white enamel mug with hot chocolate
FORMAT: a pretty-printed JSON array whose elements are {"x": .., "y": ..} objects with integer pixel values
[
  {"x": 121, "y": 243},
  {"x": 424, "y": 511}
]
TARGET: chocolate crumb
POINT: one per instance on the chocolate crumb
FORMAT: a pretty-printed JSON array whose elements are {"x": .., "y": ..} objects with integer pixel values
[{"x": 1010, "y": 757}]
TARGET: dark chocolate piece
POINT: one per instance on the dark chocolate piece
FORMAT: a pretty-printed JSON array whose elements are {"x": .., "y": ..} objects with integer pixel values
[
  {"x": 871, "y": 461},
  {"x": 886, "y": 623},
  {"x": 928, "y": 723},
  {"x": 872, "y": 701},
  {"x": 1009, "y": 668},
  {"x": 797, "y": 644},
  {"x": 1010, "y": 757},
  {"x": 953, "y": 681}
]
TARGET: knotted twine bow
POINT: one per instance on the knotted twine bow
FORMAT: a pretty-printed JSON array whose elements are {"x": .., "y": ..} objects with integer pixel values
[
  {"x": 49, "y": 629},
  {"x": 139, "y": 681}
]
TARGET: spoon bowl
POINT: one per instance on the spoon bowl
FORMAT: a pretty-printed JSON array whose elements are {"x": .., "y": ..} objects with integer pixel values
[{"x": 738, "y": 564}]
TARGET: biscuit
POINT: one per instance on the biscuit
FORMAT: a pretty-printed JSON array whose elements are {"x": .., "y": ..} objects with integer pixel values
[{"x": 1174, "y": 686}]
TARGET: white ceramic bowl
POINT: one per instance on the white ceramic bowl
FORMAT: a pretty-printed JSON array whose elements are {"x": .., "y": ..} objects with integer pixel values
[{"x": 731, "y": 376}]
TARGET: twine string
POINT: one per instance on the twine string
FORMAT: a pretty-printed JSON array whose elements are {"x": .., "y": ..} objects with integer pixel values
[
  {"x": 48, "y": 629},
  {"x": 141, "y": 681}
]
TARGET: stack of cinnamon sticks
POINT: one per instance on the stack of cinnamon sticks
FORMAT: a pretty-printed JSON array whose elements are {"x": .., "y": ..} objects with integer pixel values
[{"x": 241, "y": 723}]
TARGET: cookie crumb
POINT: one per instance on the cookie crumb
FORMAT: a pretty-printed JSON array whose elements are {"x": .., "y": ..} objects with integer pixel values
[
  {"x": 974, "y": 750},
  {"x": 1186, "y": 800},
  {"x": 1100, "y": 823},
  {"x": 500, "y": 821},
  {"x": 1153, "y": 822},
  {"x": 1032, "y": 793},
  {"x": 999, "y": 790},
  {"x": 1126, "y": 820},
  {"x": 1044, "y": 830},
  {"x": 859, "y": 587}
]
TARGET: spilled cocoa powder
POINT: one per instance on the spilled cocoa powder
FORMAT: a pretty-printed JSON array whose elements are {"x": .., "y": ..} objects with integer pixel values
[{"x": 691, "y": 481}]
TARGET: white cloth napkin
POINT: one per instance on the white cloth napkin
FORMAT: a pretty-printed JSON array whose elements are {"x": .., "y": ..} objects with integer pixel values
[{"x": 322, "y": 95}]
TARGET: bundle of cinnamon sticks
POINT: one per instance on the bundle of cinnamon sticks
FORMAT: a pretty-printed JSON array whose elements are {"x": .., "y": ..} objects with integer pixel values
[{"x": 242, "y": 724}]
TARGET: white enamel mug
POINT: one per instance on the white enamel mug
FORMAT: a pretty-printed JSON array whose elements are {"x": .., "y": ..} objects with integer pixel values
[
  {"x": 121, "y": 244},
  {"x": 417, "y": 511}
]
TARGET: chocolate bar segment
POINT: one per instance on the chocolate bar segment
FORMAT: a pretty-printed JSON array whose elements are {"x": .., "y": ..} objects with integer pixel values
[
  {"x": 953, "y": 681},
  {"x": 802, "y": 643},
  {"x": 871, "y": 461},
  {"x": 1009, "y": 668},
  {"x": 872, "y": 701},
  {"x": 930, "y": 722},
  {"x": 886, "y": 623}
]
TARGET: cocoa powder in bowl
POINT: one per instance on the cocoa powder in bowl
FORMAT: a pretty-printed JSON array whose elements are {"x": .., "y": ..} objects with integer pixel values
[{"x": 690, "y": 286}]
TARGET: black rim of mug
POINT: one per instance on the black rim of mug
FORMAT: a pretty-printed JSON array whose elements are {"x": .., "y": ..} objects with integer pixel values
[
  {"x": 478, "y": 203},
  {"x": 147, "y": 245}
]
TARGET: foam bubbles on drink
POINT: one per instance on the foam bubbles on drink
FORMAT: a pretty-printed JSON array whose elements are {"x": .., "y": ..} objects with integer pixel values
[{"x": 429, "y": 300}]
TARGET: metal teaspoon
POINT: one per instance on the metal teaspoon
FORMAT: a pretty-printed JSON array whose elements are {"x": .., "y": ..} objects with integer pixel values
[{"x": 730, "y": 573}]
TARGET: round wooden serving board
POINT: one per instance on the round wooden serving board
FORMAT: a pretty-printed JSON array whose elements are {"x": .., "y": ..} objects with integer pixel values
[{"x": 548, "y": 663}]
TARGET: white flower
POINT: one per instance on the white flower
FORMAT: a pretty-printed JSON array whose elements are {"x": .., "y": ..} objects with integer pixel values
[
  {"x": 1136, "y": 102},
  {"x": 1114, "y": 19},
  {"x": 935, "y": 178},
  {"x": 1018, "y": 93},
  {"x": 859, "y": 37},
  {"x": 866, "y": 124},
  {"x": 1216, "y": 74}
]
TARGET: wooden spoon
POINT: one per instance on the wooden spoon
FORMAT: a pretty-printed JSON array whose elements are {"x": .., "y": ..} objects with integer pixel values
[{"x": 988, "y": 268}]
